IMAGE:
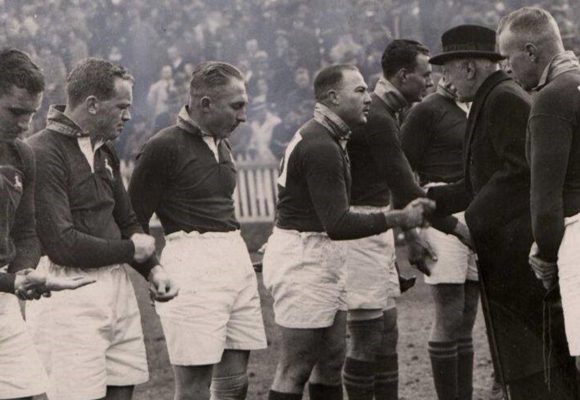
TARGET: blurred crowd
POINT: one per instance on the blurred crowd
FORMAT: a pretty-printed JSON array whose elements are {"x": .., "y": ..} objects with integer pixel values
[{"x": 278, "y": 44}]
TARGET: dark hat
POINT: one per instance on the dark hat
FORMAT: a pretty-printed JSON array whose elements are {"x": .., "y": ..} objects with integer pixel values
[{"x": 467, "y": 41}]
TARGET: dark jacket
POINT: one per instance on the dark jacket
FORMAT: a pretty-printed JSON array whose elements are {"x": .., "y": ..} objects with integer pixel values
[{"x": 497, "y": 190}]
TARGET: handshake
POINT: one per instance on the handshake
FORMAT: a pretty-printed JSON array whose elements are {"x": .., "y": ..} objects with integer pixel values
[{"x": 413, "y": 215}]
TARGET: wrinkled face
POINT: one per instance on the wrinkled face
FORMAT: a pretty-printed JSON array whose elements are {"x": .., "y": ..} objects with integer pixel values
[
  {"x": 518, "y": 62},
  {"x": 226, "y": 109},
  {"x": 418, "y": 81},
  {"x": 17, "y": 107},
  {"x": 113, "y": 114},
  {"x": 353, "y": 99},
  {"x": 455, "y": 74}
]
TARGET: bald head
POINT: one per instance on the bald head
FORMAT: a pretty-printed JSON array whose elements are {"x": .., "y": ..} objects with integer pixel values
[{"x": 529, "y": 38}]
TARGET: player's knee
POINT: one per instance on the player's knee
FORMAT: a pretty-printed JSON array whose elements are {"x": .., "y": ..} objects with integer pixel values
[
  {"x": 365, "y": 338},
  {"x": 234, "y": 387}
]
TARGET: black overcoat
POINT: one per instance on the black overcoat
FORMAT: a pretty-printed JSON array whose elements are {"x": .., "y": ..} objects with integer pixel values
[{"x": 496, "y": 191}]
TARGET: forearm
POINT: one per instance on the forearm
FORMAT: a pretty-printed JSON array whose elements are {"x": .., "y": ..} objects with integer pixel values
[{"x": 7, "y": 282}]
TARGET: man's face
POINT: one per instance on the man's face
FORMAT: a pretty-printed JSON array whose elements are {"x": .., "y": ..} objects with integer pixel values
[
  {"x": 17, "y": 106},
  {"x": 302, "y": 78},
  {"x": 113, "y": 114},
  {"x": 455, "y": 74},
  {"x": 418, "y": 80},
  {"x": 518, "y": 61},
  {"x": 353, "y": 99},
  {"x": 226, "y": 109}
]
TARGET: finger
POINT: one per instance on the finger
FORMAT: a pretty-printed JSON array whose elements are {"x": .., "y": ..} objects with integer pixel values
[
  {"x": 47, "y": 294},
  {"x": 421, "y": 265},
  {"x": 429, "y": 251}
]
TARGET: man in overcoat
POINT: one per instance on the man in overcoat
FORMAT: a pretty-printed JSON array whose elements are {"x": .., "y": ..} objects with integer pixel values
[{"x": 496, "y": 191}]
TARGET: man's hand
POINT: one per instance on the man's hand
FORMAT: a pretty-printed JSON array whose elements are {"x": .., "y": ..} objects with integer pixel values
[
  {"x": 144, "y": 246},
  {"x": 161, "y": 286},
  {"x": 462, "y": 233},
  {"x": 419, "y": 251},
  {"x": 413, "y": 215},
  {"x": 31, "y": 284},
  {"x": 546, "y": 271}
]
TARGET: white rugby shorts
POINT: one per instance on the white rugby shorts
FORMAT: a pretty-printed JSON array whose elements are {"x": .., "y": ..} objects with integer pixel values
[
  {"x": 305, "y": 272},
  {"x": 218, "y": 306},
  {"x": 569, "y": 280},
  {"x": 21, "y": 371},
  {"x": 91, "y": 337},
  {"x": 372, "y": 277},
  {"x": 455, "y": 261}
]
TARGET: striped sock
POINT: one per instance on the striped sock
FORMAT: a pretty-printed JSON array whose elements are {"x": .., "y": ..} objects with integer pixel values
[
  {"x": 359, "y": 378},
  {"x": 274, "y": 395},
  {"x": 444, "y": 365},
  {"x": 319, "y": 391},
  {"x": 387, "y": 378},
  {"x": 465, "y": 369}
]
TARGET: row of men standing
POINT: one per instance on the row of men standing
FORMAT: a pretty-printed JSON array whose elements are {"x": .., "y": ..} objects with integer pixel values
[{"x": 88, "y": 228}]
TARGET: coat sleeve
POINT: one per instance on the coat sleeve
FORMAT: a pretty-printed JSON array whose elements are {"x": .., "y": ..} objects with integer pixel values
[{"x": 507, "y": 114}]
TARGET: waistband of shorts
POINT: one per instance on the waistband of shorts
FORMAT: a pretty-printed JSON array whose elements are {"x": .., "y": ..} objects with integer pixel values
[
  {"x": 369, "y": 209},
  {"x": 207, "y": 235},
  {"x": 434, "y": 184},
  {"x": 104, "y": 268},
  {"x": 300, "y": 234},
  {"x": 572, "y": 219}
]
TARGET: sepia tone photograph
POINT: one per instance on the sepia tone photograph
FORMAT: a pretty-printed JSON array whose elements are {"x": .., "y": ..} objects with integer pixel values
[{"x": 289, "y": 199}]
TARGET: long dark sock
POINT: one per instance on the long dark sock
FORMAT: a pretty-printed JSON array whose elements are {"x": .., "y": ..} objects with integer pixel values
[
  {"x": 444, "y": 366},
  {"x": 359, "y": 378},
  {"x": 274, "y": 395},
  {"x": 465, "y": 369},
  {"x": 387, "y": 377},
  {"x": 318, "y": 391}
]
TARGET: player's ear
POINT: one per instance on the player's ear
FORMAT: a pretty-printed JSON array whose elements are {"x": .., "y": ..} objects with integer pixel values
[
  {"x": 333, "y": 96},
  {"x": 92, "y": 105},
  {"x": 205, "y": 103}
]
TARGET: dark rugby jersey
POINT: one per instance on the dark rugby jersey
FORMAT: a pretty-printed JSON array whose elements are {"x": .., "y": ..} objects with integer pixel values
[
  {"x": 19, "y": 246},
  {"x": 84, "y": 217},
  {"x": 554, "y": 154},
  {"x": 178, "y": 177},
  {"x": 432, "y": 138},
  {"x": 314, "y": 188}
]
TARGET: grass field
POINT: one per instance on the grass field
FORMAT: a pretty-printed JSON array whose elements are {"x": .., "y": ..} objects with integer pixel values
[{"x": 415, "y": 317}]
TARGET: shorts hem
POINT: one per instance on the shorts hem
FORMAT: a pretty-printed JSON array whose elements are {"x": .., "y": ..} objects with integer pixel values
[
  {"x": 305, "y": 325},
  {"x": 129, "y": 382},
  {"x": 247, "y": 346},
  {"x": 22, "y": 393},
  {"x": 200, "y": 361},
  {"x": 450, "y": 282}
]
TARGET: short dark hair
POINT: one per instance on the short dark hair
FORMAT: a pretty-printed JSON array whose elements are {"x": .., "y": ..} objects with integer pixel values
[
  {"x": 93, "y": 77},
  {"x": 211, "y": 74},
  {"x": 401, "y": 53},
  {"x": 330, "y": 78},
  {"x": 17, "y": 69}
]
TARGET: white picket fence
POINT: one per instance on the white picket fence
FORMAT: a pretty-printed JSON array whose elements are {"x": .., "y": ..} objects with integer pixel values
[{"x": 256, "y": 192}]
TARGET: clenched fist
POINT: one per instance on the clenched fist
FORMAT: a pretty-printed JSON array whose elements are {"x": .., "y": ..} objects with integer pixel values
[{"x": 144, "y": 246}]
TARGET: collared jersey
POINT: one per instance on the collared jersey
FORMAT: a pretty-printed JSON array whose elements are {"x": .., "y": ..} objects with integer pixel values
[
  {"x": 84, "y": 215},
  {"x": 314, "y": 188},
  {"x": 19, "y": 246},
  {"x": 179, "y": 177}
]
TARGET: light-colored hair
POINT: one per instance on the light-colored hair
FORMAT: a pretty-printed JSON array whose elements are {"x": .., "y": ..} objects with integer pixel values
[{"x": 532, "y": 25}]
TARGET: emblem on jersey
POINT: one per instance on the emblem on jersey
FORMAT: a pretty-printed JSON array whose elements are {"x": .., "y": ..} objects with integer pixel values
[
  {"x": 109, "y": 168},
  {"x": 17, "y": 182}
]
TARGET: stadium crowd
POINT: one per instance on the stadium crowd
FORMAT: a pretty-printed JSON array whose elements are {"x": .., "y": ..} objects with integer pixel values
[{"x": 278, "y": 44}]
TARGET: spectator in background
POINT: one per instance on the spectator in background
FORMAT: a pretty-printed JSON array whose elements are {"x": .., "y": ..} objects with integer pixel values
[
  {"x": 262, "y": 123},
  {"x": 160, "y": 91},
  {"x": 283, "y": 133},
  {"x": 303, "y": 88}
]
